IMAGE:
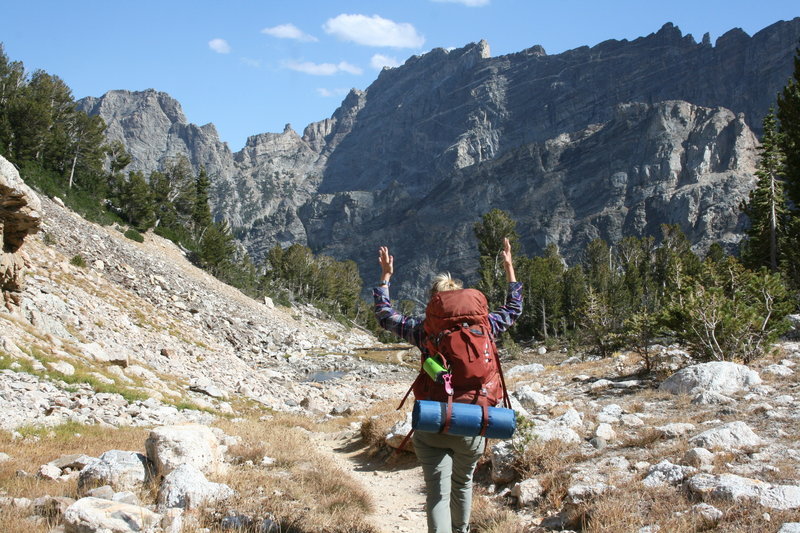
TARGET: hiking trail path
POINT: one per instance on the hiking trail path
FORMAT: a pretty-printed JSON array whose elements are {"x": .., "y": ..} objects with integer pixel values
[{"x": 395, "y": 484}]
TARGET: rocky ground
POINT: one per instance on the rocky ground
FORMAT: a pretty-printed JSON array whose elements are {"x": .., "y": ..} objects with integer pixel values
[
  {"x": 110, "y": 332},
  {"x": 141, "y": 320}
]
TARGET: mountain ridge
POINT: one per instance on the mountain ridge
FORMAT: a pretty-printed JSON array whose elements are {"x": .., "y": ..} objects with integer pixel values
[{"x": 425, "y": 122}]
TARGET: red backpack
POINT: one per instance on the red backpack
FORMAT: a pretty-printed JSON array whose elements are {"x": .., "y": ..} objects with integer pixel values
[{"x": 458, "y": 331}]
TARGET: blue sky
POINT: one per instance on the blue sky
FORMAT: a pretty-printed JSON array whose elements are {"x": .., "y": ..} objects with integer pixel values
[{"x": 252, "y": 66}]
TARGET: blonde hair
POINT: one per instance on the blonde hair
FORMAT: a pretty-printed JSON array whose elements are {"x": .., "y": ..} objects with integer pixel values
[{"x": 444, "y": 282}]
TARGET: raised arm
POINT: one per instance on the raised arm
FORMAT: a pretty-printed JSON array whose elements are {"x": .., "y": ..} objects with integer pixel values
[
  {"x": 508, "y": 263},
  {"x": 387, "y": 264},
  {"x": 406, "y": 327},
  {"x": 502, "y": 318}
]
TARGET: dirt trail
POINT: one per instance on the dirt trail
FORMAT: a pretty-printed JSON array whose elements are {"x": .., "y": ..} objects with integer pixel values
[{"x": 396, "y": 484}]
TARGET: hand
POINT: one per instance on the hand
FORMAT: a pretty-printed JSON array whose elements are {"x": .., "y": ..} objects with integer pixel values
[
  {"x": 387, "y": 263},
  {"x": 508, "y": 263},
  {"x": 506, "y": 252}
]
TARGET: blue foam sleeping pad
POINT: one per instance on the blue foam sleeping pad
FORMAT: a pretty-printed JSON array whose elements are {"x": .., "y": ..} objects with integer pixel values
[{"x": 465, "y": 421}]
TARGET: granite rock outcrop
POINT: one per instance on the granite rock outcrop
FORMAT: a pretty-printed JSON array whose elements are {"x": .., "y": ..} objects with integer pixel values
[{"x": 20, "y": 216}]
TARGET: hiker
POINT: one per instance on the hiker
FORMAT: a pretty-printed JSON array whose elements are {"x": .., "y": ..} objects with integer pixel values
[{"x": 448, "y": 461}]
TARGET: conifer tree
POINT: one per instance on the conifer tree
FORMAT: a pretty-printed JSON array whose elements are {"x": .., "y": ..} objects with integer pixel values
[
  {"x": 217, "y": 249},
  {"x": 201, "y": 215},
  {"x": 490, "y": 231},
  {"x": 137, "y": 202},
  {"x": 766, "y": 206},
  {"x": 543, "y": 278},
  {"x": 789, "y": 118}
]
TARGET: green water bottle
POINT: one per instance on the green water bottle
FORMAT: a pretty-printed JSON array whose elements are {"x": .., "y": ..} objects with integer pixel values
[{"x": 433, "y": 367}]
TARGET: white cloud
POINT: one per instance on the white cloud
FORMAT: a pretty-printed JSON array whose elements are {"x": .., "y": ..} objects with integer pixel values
[
  {"x": 322, "y": 69},
  {"x": 330, "y": 93},
  {"x": 220, "y": 46},
  {"x": 374, "y": 31},
  {"x": 379, "y": 61},
  {"x": 289, "y": 31},
  {"x": 250, "y": 62},
  {"x": 344, "y": 66},
  {"x": 468, "y": 3}
]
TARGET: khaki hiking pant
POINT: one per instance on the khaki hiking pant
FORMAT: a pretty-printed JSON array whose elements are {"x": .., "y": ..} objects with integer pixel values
[{"x": 448, "y": 462}]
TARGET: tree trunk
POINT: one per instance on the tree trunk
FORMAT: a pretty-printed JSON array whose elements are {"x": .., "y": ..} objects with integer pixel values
[
  {"x": 544, "y": 319},
  {"x": 72, "y": 170},
  {"x": 773, "y": 227}
]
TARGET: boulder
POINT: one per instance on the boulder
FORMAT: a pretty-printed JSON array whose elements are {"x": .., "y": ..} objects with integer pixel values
[
  {"x": 398, "y": 432},
  {"x": 605, "y": 432},
  {"x": 52, "y": 507},
  {"x": 62, "y": 367},
  {"x": 503, "y": 462},
  {"x": 529, "y": 397},
  {"x": 554, "y": 431},
  {"x": 731, "y": 487},
  {"x": 171, "y": 446},
  {"x": 20, "y": 216},
  {"x": 519, "y": 370},
  {"x": 527, "y": 492},
  {"x": 731, "y": 436},
  {"x": 778, "y": 370},
  {"x": 93, "y": 515},
  {"x": 710, "y": 514},
  {"x": 205, "y": 386},
  {"x": 49, "y": 471},
  {"x": 720, "y": 377},
  {"x": 790, "y": 527},
  {"x": 698, "y": 457},
  {"x": 75, "y": 461},
  {"x": 121, "y": 470},
  {"x": 675, "y": 430},
  {"x": 186, "y": 487},
  {"x": 97, "y": 353},
  {"x": 667, "y": 473}
]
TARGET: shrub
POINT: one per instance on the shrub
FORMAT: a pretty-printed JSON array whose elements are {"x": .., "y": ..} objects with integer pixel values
[
  {"x": 48, "y": 239},
  {"x": 730, "y": 313},
  {"x": 78, "y": 261},
  {"x": 134, "y": 235}
]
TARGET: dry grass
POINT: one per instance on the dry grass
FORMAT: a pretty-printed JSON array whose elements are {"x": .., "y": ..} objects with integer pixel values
[
  {"x": 379, "y": 419},
  {"x": 627, "y": 510},
  {"x": 646, "y": 437},
  {"x": 302, "y": 490},
  {"x": 549, "y": 462},
  {"x": 630, "y": 507},
  {"x": 750, "y": 518},
  {"x": 42, "y": 445},
  {"x": 488, "y": 516}
]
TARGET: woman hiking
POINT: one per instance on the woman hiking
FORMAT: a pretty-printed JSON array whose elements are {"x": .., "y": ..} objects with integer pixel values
[{"x": 448, "y": 461}]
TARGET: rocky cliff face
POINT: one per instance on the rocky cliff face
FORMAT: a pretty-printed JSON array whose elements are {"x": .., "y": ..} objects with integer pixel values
[
  {"x": 671, "y": 162},
  {"x": 20, "y": 216},
  {"x": 591, "y": 142},
  {"x": 155, "y": 131}
]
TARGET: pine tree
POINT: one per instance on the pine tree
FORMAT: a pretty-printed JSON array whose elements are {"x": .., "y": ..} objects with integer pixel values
[
  {"x": 789, "y": 118},
  {"x": 766, "y": 205},
  {"x": 542, "y": 281},
  {"x": 217, "y": 249},
  {"x": 201, "y": 214},
  {"x": 85, "y": 150},
  {"x": 490, "y": 231},
  {"x": 137, "y": 202}
]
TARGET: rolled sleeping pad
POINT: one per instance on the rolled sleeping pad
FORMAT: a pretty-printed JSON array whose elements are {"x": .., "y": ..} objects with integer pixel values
[{"x": 465, "y": 421}]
